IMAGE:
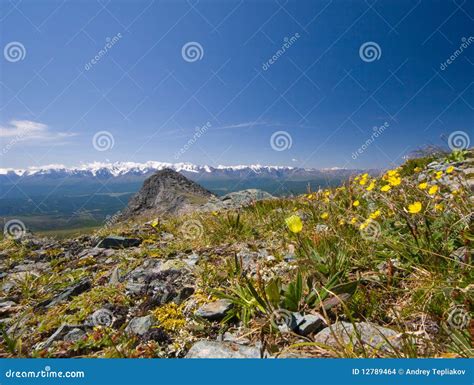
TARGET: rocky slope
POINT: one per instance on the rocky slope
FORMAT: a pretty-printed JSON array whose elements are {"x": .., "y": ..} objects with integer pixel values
[
  {"x": 381, "y": 267},
  {"x": 166, "y": 192}
]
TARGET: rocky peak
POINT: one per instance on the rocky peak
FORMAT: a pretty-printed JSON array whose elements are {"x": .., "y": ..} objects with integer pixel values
[{"x": 166, "y": 192}]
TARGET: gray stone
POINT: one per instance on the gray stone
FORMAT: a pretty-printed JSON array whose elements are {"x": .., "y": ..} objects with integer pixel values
[
  {"x": 29, "y": 266},
  {"x": 80, "y": 287},
  {"x": 7, "y": 304},
  {"x": 215, "y": 349},
  {"x": 365, "y": 333},
  {"x": 166, "y": 236},
  {"x": 308, "y": 323},
  {"x": 56, "y": 336},
  {"x": 115, "y": 276},
  {"x": 192, "y": 260},
  {"x": 115, "y": 242},
  {"x": 74, "y": 335},
  {"x": 462, "y": 254},
  {"x": 140, "y": 325},
  {"x": 214, "y": 311}
]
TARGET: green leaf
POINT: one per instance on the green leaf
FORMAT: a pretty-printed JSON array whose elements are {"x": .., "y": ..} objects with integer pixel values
[
  {"x": 273, "y": 292},
  {"x": 346, "y": 287}
]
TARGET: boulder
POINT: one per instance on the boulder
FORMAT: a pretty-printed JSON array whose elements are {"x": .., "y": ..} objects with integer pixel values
[
  {"x": 214, "y": 311},
  {"x": 58, "y": 335},
  {"x": 74, "y": 335},
  {"x": 115, "y": 242},
  {"x": 308, "y": 323},
  {"x": 76, "y": 289},
  {"x": 215, "y": 349},
  {"x": 140, "y": 325},
  {"x": 365, "y": 333}
]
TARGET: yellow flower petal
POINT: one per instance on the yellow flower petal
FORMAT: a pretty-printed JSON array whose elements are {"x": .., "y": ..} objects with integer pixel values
[
  {"x": 324, "y": 215},
  {"x": 433, "y": 190},
  {"x": 356, "y": 203},
  {"x": 414, "y": 207},
  {"x": 294, "y": 223},
  {"x": 371, "y": 186},
  {"x": 423, "y": 186},
  {"x": 386, "y": 188},
  {"x": 449, "y": 170}
]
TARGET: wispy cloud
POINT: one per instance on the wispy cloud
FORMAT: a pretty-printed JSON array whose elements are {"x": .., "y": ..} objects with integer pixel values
[
  {"x": 28, "y": 130},
  {"x": 242, "y": 125}
]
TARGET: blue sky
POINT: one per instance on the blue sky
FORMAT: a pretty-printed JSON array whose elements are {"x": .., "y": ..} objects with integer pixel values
[{"x": 322, "y": 93}]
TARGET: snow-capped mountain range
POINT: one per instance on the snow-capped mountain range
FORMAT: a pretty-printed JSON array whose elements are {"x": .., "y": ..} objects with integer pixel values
[
  {"x": 118, "y": 169},
  {"x": 127, "y": 177}
]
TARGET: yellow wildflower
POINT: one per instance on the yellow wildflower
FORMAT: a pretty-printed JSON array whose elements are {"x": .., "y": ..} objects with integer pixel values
[
  {"x": 155, "y": 223},
  {"x": 363, "y": 225},
  {"x": 375, "y": 214},
  {"x": 294, "y": 223},
  {"x": 417, "y": 169},
  {"x": 353, "y": 220},
  {"x": 414, "y": 207},
  {"x": 423, "y": 186},
  {"x": 439, "y": 174},
  {"x": 438, "y": 207},
  {"x": 342, "y": 222},
  {"x": 394, "y": 180},
  {"x": 386, "y": 188},
  {"x": 356, "y": 203},
  {"x": 433, "y": 190},
  {"x": 449, "y": 170},
  {"x": 324, "y": 215},
  {"x": 371, "y": 186}
]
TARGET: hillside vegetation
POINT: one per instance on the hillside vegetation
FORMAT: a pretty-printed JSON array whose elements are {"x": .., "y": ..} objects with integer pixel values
[{"x": 379, "y": 267}]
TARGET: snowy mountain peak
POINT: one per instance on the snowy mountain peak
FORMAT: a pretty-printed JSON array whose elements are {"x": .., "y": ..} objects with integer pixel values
[{"x": 124, "y": 168}]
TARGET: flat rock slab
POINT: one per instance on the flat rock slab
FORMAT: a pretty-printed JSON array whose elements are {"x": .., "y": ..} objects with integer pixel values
[
  {"x": 114, "y": 242},
  {"x": 214, "y": 311},
  {"x": 365, "y": 333},
  {"x": 215, "y": 349}
]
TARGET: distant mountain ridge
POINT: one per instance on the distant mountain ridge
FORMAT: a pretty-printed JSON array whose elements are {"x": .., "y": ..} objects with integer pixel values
[{"x": 120, "y": 169}]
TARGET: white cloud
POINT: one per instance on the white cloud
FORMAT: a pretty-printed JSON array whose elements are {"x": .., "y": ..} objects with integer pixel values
[{"x": 27, "y": 130}]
